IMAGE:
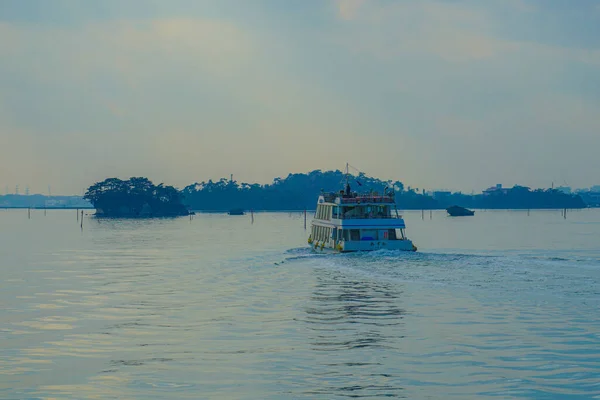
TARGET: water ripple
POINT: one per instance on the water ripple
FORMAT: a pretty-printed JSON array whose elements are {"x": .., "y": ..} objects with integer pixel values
[{"x": 209, "y": 308}]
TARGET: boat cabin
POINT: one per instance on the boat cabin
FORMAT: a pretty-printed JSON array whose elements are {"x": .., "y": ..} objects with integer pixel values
[
  {"x": 324, "y": 234},
  {"x": 350, "y": 215},
  {"x": 340, "y": 206},
  {"x": 353, "y": 211}
]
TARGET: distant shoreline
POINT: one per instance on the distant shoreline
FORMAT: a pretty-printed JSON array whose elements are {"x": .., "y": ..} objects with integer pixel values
[
  {"x": 45, "y": 208},
  {"x": 399, "y": 209},
  {"x": 296, "y": 210}
]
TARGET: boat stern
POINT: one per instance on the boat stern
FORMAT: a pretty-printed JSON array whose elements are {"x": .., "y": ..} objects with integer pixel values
[{"x": 367, "y": 245}]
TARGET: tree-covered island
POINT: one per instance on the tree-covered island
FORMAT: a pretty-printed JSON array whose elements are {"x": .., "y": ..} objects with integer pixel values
[
  {"x": 300, "y": 191},
  {"x": 135, "y": 198},
  {"x": 139, "y": 197}
]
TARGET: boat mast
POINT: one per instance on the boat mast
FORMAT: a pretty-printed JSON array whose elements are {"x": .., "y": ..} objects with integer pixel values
[
  {"x": 347, "y": 180},
  {"x": 347, "y": 172}
]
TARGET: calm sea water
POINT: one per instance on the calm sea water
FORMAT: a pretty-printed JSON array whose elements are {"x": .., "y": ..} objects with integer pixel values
[{"x": 499, "y": 305}]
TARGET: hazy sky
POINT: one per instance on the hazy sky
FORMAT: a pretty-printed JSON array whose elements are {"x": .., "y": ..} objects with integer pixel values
[{"x": 457, "y": 94}]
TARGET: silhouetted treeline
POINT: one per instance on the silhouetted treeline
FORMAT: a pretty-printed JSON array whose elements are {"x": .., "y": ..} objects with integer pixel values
[
  {"x": 42, "y": 201},
  {"x": 135, "y": 197},
  {"x": 300, "y": 191},
  {"x": 590, "y": 198},
  {"x": 518, "y": 197}
]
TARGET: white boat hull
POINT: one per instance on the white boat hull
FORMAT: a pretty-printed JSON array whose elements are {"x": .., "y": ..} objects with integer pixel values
[{"x": 364, "y": 245}]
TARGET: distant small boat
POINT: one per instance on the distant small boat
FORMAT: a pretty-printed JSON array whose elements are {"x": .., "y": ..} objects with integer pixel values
[
  {"x": 236, "y": 211},
  {"x": 457, "y": 211}
]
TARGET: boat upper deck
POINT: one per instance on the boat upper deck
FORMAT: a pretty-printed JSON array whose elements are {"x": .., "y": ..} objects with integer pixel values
[{"x": 355, "y": 198}]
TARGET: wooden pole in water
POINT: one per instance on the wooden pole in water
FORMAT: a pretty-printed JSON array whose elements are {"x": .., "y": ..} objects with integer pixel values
[
  {"x": 81, "y": 219},
  {"x": 565, "y": 213},
  {"x": 430, "y": 214},
  {"x": 77, "y": 214},
  {"x": 305, "y": 219},
  {"x": 423, "y": 214},
  {"x": 252, "y": 215},
  {"x": 29, "y": 213}
]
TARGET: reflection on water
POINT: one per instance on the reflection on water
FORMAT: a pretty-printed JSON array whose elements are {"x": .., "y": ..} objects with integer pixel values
[
  {"x": 340, "y": 306},
  {"x": 219, "y": 307},
  {"x": 354, "y": 323}
]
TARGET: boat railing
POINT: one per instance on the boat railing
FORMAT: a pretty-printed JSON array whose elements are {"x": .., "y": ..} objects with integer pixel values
[
  {"x": 367, "y": 216},
  {"x": 367, "y": 199},
  {"x": 356, "y": 198}
]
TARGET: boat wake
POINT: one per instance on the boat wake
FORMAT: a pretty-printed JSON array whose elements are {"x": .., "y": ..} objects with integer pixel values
[{"x": 508, "y": 274}]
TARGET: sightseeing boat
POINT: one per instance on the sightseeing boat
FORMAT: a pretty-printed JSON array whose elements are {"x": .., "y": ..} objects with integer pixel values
[{"x": 347, "y": 221}]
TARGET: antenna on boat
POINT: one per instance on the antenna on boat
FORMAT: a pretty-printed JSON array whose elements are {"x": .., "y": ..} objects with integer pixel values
[{"x": 347, "y": 173}]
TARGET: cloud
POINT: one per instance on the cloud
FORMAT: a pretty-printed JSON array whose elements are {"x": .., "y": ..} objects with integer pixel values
[
  {"x": 419, "y": 91},
  {"x": 177, "y": 99},
  {"x": 124, "y": 46},
  {"x": 445, "y": 30},
  {"x": 453, "y": 32},
  {"x": 347, "y": 9}
]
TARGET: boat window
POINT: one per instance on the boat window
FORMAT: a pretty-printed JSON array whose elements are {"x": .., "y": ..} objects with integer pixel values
[
  {"x": 352, "y": 212},
  {"x": 334, "y": 233},
  {"x": 354, "y": 234},
  {"x": 400, "y": 234},
  {"x": 336, "y": 212},
  {"x": 369, "y": 234},
  {"x": 391, "y": 234}
]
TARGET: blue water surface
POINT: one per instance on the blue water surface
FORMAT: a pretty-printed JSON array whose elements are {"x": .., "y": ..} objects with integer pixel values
[{"x": 499, "y": 305}]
